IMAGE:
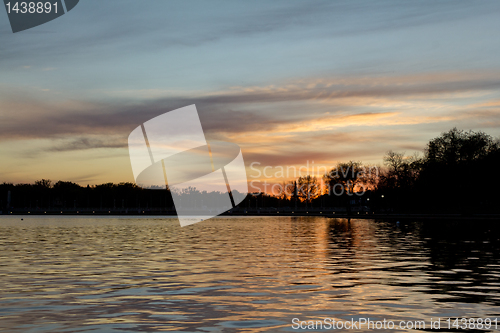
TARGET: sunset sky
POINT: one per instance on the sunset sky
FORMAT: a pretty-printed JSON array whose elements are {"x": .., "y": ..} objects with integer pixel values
[{"x": 290, "y": 82}]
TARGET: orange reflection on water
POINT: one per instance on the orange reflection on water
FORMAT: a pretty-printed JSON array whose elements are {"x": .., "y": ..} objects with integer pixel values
[{"x": 250, "y": 274}]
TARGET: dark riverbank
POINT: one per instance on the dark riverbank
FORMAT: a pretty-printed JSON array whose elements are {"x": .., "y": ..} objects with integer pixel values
[{"x": 324, "y": 213}]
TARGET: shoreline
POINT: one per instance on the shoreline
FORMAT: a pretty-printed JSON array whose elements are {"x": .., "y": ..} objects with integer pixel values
[{"x": 357, "y": 215}]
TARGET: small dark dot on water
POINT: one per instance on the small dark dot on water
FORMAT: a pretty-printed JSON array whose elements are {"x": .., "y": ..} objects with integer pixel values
[{"x": 22, "y": 219}]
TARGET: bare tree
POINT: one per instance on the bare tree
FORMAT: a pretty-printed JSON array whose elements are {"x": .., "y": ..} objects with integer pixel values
[
  {"x": 45, "y": 183},
  {"x": 345, "y": 175},
  {"x": 402, "y": 170},
  {"x": 308, "y": 188}
]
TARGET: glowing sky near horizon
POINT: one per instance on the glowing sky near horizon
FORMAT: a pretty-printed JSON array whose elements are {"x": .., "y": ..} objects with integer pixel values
[{"x": 290, "y": 82}]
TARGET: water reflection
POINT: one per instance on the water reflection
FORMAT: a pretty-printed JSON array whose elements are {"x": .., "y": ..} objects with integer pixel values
[{"x": 232, "y": 274}]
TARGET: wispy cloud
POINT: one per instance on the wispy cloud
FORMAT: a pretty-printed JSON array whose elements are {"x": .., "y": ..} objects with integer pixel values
[
  {"x": 242, "y": 110},
  {"x": 88, "y": 143}
]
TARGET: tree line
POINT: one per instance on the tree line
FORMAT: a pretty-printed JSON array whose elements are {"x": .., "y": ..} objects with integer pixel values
[
  {"x": 457, "y": 173},
  {"x": 64, "y": 195}
]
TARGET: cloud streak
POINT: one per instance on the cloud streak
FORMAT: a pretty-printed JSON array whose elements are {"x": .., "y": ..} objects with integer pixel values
[
  {"x": 172, "y": 25},
  {"x": 88, "y": 143},
  {"x": 249, "y": 109}
]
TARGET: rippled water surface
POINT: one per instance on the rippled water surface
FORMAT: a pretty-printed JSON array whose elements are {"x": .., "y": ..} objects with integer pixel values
[{"x": 60, "y": 274}]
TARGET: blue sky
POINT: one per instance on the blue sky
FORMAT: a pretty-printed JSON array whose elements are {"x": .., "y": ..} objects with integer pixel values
[{"x": 290, "y": 82}]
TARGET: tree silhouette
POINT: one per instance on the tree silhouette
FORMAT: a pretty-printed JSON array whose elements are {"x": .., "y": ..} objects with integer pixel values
[
  {"x": 344, "y": 177},
  {"x": 457, "y": 174},
  {"x": 308, "y": 188}
]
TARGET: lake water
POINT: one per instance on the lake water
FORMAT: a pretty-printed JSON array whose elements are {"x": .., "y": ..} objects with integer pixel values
[{"x": 252, "y": 274}]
